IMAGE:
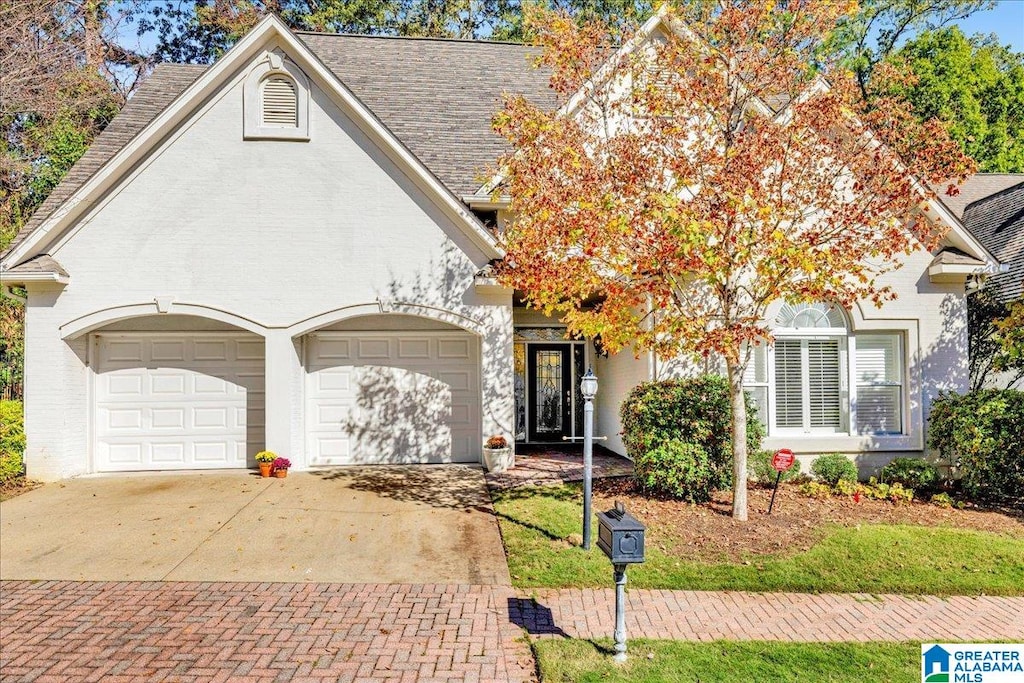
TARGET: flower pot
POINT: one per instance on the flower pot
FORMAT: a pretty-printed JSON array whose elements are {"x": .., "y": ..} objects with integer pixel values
[
  {"x": 280, "y": 473},
  {"x": 499, "y": 459},
  {"x": 265, "y": 469}
]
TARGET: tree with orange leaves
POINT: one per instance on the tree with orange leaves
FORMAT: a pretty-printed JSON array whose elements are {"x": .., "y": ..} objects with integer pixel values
[{"x": 703, "y": 168}]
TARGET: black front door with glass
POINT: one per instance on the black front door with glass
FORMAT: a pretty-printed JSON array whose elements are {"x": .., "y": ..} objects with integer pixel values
[{"x": 550, "y": 394}]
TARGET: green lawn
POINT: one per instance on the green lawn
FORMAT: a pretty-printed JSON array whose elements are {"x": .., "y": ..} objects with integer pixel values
[
  {"x": 866, "y": 558},
  {"x": 562, "y": 661}
]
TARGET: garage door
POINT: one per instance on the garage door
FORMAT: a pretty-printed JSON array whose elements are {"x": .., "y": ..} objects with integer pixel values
[
  {"x": 393, "y": 398},
  {"x": 165, "y": 401}
]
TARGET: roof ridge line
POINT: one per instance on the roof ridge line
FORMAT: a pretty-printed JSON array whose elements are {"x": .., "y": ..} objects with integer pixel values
[
  {"x": 1011, "y": 188},
  {"x": 437, "y": 39}
]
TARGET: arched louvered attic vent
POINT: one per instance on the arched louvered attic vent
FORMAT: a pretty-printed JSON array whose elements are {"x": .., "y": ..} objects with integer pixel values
[{"x": 280, "y": 103}]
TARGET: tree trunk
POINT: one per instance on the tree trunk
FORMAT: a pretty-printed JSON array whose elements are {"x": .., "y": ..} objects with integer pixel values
[
  {"x": 93, "y": 38},
  {"x": 739, "y": 441}
]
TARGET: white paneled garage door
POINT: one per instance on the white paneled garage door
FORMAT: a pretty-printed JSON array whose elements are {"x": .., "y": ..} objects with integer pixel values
[
  {"x": 170, "y": 401},
  {"x": 395, "y": 397}
]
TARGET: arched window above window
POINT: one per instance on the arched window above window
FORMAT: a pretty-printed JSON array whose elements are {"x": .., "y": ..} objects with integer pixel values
[
  {"x": 810, "y": 316},
  {"x": 276, "y": 100},
  {"x": 820, "y": 377}
]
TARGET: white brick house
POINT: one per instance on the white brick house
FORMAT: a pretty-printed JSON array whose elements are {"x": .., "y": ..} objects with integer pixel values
[{"x": 288, "y": 250}]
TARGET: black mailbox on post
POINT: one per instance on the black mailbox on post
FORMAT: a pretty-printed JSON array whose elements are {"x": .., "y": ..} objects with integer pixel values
[{"x": 621, "y": 536}]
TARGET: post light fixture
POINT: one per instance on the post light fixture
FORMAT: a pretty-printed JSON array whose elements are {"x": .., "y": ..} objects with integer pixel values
[
  {"x": 588, "y": 388},
  {"x": 588, "y": 385}
]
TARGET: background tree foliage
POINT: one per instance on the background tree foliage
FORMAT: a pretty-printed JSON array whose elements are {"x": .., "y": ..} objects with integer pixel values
[
  {"x": 63, "y": 76},
  {"x": 200, "y": 30},
  {"x": 977, "y": 86},
  {"x": 995, "y": 335}
]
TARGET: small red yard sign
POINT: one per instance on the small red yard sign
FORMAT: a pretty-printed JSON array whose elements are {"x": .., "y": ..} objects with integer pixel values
[{"x": 783, "y": 459}]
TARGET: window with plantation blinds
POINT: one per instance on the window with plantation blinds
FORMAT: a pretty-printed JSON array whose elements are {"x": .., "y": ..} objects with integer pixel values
[
  {"x": 879, "y": 398},
  {"x": 280, "y": 105},
  {"x": 807, "y": 384},
  {"x": 818, "y": 378}
]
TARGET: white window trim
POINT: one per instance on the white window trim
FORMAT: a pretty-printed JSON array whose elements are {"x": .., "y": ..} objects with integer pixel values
[
  {"x": 904, "y": 384},
  {"x": 848, "y": 440},
  {"x": 269, "y": 65},
  {"x": 844, "y": 383}
]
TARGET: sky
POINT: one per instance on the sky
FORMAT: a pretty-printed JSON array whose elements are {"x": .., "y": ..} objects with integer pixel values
[{"x": 1006, "y": 20}]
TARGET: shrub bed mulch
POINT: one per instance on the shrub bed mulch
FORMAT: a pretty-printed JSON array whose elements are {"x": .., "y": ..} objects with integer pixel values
[
  {"x": 16, "y": 487},
  {"x": 707, "y": 531}
]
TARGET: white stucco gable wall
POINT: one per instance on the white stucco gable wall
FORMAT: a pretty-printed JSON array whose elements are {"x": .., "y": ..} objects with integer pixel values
[
  {"x": 243, "y": 224},
  {"x": 287, "y": 235}
]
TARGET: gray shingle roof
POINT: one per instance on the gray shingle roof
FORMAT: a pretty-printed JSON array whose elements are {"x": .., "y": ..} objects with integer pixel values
[
  {"x": 953, "y": 256},
  {"x": 978, "y": 186},
  {"x": 998, "y": 223},
  {"x": 44, "y": 263},
  {"x": 437, "y": 96}
]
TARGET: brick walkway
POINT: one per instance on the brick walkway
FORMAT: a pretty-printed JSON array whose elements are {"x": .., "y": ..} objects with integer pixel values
[
  {"x": 68, "y": 631},
  {"x": 690, "y": 615},
  {"x": 64, "y": 631},
  {"x": 557, "y": 465}
]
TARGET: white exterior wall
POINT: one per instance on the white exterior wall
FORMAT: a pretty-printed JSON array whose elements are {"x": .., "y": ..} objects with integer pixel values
[
  {"x": 617, "y": 375},
  {"x": 280, "y": 236},
  {"x": 932, "y": 319}
]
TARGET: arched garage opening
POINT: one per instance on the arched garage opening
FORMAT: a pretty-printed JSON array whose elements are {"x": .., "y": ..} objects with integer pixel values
[
  {"x": 175, "y": 392},
  {"x": 392, "y": 388}
]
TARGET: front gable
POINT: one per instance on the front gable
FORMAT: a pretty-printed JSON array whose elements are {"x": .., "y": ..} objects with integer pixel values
[{"x": 268, "y": 38}]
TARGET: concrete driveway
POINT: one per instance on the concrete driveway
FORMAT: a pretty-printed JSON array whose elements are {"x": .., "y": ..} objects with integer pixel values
[{"x": 397, "y": 524}]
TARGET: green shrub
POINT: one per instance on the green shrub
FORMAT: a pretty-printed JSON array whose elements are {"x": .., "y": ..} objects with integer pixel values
[
  {"x": 677, "y": 469},
  {"x": 943, "y": 500},
  {"x": 695, "y": 411},
  {"x": 982, "y": 433},
  {"x": 814, "y": 489},
  {"x": 759, "y": 467},
  {"x": 913, "y": 473},
  {"x": 12, "y": 441},
  {"x": 834, "y": 468}
]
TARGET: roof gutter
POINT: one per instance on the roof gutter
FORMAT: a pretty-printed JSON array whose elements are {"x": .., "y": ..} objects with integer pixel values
[
  {"x": 28, "y": 278},
  {"x": 486, "y": 202}
]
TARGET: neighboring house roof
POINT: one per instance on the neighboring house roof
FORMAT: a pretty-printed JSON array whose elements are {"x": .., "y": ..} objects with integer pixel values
[
  {"x": 997, "y": 220},
  {"x": 978, "y": 186}
]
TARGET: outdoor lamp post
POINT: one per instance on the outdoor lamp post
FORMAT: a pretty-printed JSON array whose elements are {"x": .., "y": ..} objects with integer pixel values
[{"x": 588, "y": 388}]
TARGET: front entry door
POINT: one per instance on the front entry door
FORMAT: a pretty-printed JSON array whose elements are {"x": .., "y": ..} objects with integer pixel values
[{"x": 550, "y": 392}]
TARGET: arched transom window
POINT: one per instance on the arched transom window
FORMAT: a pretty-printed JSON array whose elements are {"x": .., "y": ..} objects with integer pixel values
[{"x": 817, "y": 315}]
